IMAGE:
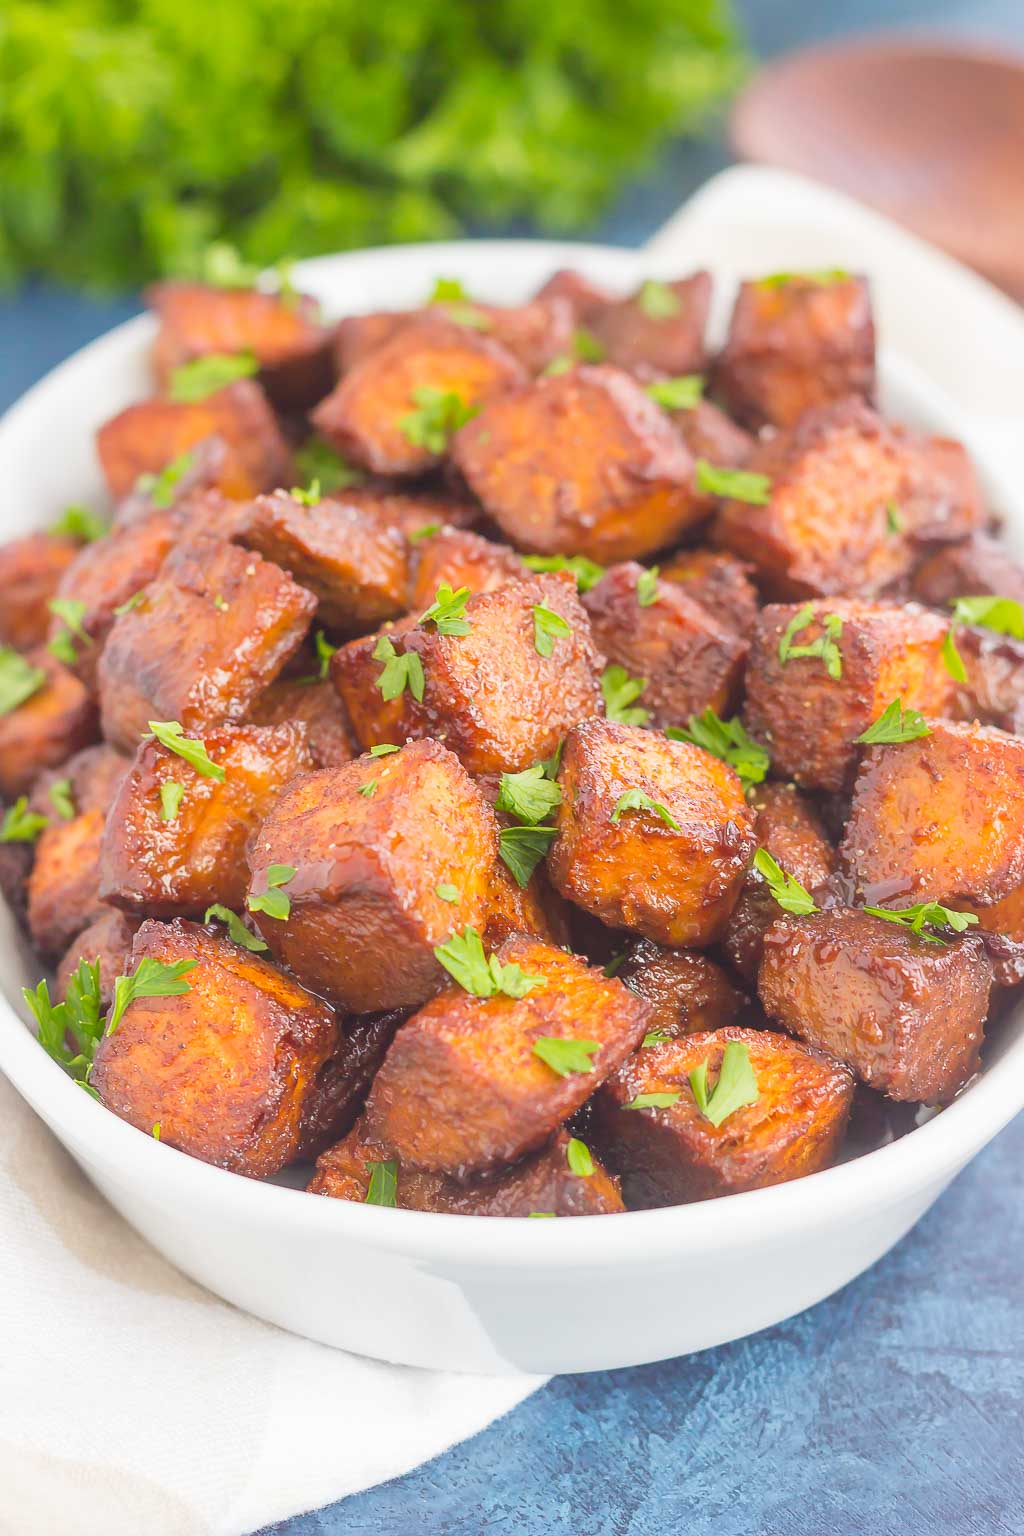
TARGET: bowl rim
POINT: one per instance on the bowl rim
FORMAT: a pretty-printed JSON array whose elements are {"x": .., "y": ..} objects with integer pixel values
[{"x": 929, "y": 1155}]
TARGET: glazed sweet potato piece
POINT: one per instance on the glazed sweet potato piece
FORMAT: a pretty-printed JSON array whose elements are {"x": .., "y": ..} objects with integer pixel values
[
  {"x": 710, "y": 434},
  {"x": 187, "y": 477},
  {"x": 367, "y": 416},
  {"x": 719, "y": 582},
  {"x": 541, "y": 1185},
  {"x": 107, "y": 942},
  {"x": 946, "y": 500},
  {"x": 229, "y": 1069},
  {"x": 654, "y": 629},
  {"x": 939, "y": 818},
  {"x": 809, "y": 718},
  {"x": 284, "y": 334},
  {"x": 979, "y": 566},
  {"x": 203, "y": 642},
  {"x": 533, "y": 333},
  {"x": 364, "y": 914},
  {"x": 671, "y": 1154},
  {"x": 687, "y": 992},
  {"x": 177, "y": 865},
  {"x": 314, "y": 704},
  {"x": 462, "y": 1089},
  {"x": 905, "y": 1013},
  {"x": 144, "y": 438},
  {"x": 344, "y": 1080},
  {"x": 490, "y": 695},
  {"x": 356, "y": 336},
  {"x": 356, "y": 567},
  {"x": 795, "y": 344},
  {"x": 462, "y": 559},
  {"x": 582, "y": 463},
  {"x": 994, "y": 690},
  {"x": 30, "y": 574},
  {"x": 837, "y": 515},
  {"x": 53, "y": 720},
  {"x": 536, "y": 909},
  {"x": 657, "y": 331},
  {"x": 629, "y": 866},
  {"x": 584, "y": 297}
]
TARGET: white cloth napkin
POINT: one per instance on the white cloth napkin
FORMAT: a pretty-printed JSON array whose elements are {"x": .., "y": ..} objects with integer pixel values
[{"x": 132, "y": 1400}]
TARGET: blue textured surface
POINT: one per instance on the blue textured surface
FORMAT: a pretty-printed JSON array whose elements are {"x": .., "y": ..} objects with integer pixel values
[{"x": 895, "y": 1408}]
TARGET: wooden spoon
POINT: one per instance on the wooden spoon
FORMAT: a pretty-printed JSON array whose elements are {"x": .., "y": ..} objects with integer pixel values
[{"x": 930, "y": 133}]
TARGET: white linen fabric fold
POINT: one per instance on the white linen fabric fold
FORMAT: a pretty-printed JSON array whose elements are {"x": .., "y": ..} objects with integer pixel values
[{"x": 133, "y": 1400}]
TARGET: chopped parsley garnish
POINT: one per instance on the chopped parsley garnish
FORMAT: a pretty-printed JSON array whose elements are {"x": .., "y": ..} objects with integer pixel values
[
  {"x": 156, "y": 1130},
  {"x": 400, "y": 672},
  {"x": 1003, "y": 615},
  {"x": 19, "y": 680},
  {"x": 522, "y": 848},
  {"x": 438, "y": 415},
  {"x": 542, "y": 1213},
  {"x": 896, "y": 723},
  {"x": 566, "y": 1055},
  {"x": 652, "y": 1101},
  {"x": 681, "y": 394},
  {"x": 238, "y": 933},
  {"x": 78, "y": 522},
  {"x": 204, "y": 376},
  {"x": 130, "y": 602},
  {"x": 725, "y": 739},
  {"x": 171, "y": 794},
  {"x": 161, "y": 489},
  {"x": 736, "y": 1085},
  {"x": 317, "y": 460},
  {"x": 558, "y": 365},
  {"x": 170, "y": 734},
  {"x": 368, "y": 790},
  {"x": 448, "y": 290},
  {"x": 587, "y": 347},
  {"x": 548, "y": 627},
  {"x": 658, "y": 301},
  {"x": 577, "y": 1155},
  {"x": 893, "y": 519},
  {"x": 464, "y": 959},
  {"x": 787, "y": 891},
  {"x": 272, "y": 900},
  {"x": 449, "y": 893},
  {"x": 62, "y": 799},
  {"x": 20, "y": 825},
  {"x": 71, "y": 612},
  {"x": 736, "y": 484},
  {"x": 151, "y": 978},
  {"x": 637, "y": 800},
  {"x": 927, "y": 914},
  {"x": 383, "y": 1186},
  {"x": 587, "y": 572},
  {"x": 448, "y": 611},
  {"x": 824, "y": 278},
  {"x": 952, "y": 658},
  {"x": 426, "y": 532},
  {"x": 384, "y": 749},
  {"x": 825, "y": 648},
  {"x": 614, "y": 965},
  {"x": 620, "y": 691},
  {"x": 308, "y": 497},
  {"x": 78, "y": 1016},
  {"x": 324, "y": 651},
  {"x": 530, "y": 795},
  {"x": 654, "y": 1037},
  {"x": 552, "y": 764},
  {"x": 647, "y": 587}
]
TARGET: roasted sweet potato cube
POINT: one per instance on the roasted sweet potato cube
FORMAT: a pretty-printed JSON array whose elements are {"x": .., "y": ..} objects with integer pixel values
[
  {"x": 53, "y": 720},
  {"x": 994, "y": 690},
  {"x": 284, "y": 334},
  {"x": 186, "y": 478},
  {"x": 356, "y": 336},
  {"x": 367, "y": 416},
  {"x": 533, "y": 333},
  {"x": 788, "y": 824},
  {"x": 146, "y": 437},
  {"x": 710, "y": 434},
  {"x": 585, "y": 297},
  {"x": 653, "y": 835},
  {"x": 88, "y": 781},
  {"x": 356, "y": 567},
  {"x": 364, "y": 914},
  {"x": 657, "y": 331},
  {"x": 809, "y": 718},
  {"x": 177, "y": 865},
  {"x": 687, "y": 992},
  {"x": 229, "y": 1070},
  {"x": 490, "y": 695},
  {"x": 979, "y": 566},
  {"x": 344, "y": 1080},
  {"x": 838, "y": 513},
  {"x": 581, "y": 463},
  {"x": 673, "y": 1154},
  {"x": 414, "y": 515},
  {"x": 541, "y": 1185},
  {"x": 203, "y": 642},
  {"x": 30, "y": 573},
  {"x": 107, "y": 942},
  {"x": 939, "y": 818},
  {"x": 946, "y": 500},
  {"x": 905, "y": 1013},
  {"x": 796, "y": 344},
  {"x": 15, "y": 867},
  {"x": 462, "y": 559},
  {"x": 313, "y": 704},
  {"x": 654, "y": 629},
  {"x": 462, "y": 1089},
  {"x": 719, "y": 583},
  {"x": 535, "y": 909}
]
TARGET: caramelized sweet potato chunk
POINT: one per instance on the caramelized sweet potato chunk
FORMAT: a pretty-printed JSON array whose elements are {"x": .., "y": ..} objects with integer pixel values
[
  {"x": 344, "y": 1080},
  {"x": 675, "y": 884},
  {"x": 352, "y": 562},
  {"x": 946, "y": 501},
  {"x": 905, "y": 1013},
  {"x": 797, "y": 344},
  {"x": 542, "y": 1184},
  {"x": 673, "y": 1154},
  {"x": 535, "y": 910},
  {"x": 837, "y": 518},
  {"x": 687, "y": 992},
  {"x": 489, "y": 695},
  {"x": 311, "y": 703},
  {"x": 203, "y": 642},
  {"x": 193, "y": 475},
  {"x": 283, "y": 334},
  {"x": 107, "y": 942},
  {"x": 230, "y": 1069},
  {"x": 356, "y": 336},
  {"x": 533, "y": 333},
  {"x": 717, "y": 581},
  {"x": 30, "y": 573},
  {"x": 689, "y": 660},
  {"x": 364, "y": 914},
  {"x": 809, "y": 719},
  {"x": 364, "y": 415},
  {"x": 178, "y": 865},
  {"x": 55, "y": 720},
  {"x": 980, "y": 566},
  {"x": 462, "y": 559},
  {"x": 462, "y": 1090},
  {"x": 940, "y": 818},
  {"x": 584, "y": 297},
  {"x": 659, "y": 329},
  {"x": 710, "y": 434},
  {"x": 582, "y": 463},
  {"x": 144, "y": 438}
]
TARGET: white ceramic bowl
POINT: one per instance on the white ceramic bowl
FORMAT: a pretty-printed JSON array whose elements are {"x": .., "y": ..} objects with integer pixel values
[{"x": 466, "y": 1293}]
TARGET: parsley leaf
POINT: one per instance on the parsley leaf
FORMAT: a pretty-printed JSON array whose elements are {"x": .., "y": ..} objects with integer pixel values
[
  {"x": 448, "y": 290},
  {"x": 547, "y": 628},
  {"x": 951, "y": 656},
  {"x": 926, "y": 914},
  {"x": 317, "y": 460},
  {"x": 161, "y": 488},
  {"x": 637, "y": 800},
  {"x": 566, "y": 1055},
  {"x": 787, "y": 891},
  {"x": 736, "y": 484},
  {"x": 647, "y": 587},
  {"x": 577, "y": 1155},
  {"x": 652, "y": 1101},
  {"x": 426, "y": 532},
  {"x": 587, "y": 347},
  {"x": 238, "y": 933},
  {"x": 446, "y": 892},
  {"x": 383, "y": 749},
  {"x": 171, "y": 795},
  {"x": 272, "y": 900},
  {"x": 62, "y": 799},
  {"x": 825, "y": 277},
  {"x": 825, "y": 648},
  {"x": 654, "y": 1037},
  {"x": 893, "y": 519},
  {"x": 511, "y": 979},
  {"x": 522, "y": 848},
  {"x": 151, "y": 978},
  {"x": 464, "y": 959},
  {"x": 399, "y": 672},
  {"x": 1001, "y": 614},
  {"x": 78, "y": 1016},
  {"x": 19, "y": 680},
  {"x": 658, "y": 301},
  {"x": 727, "y": 740},
  {"x": 383, "y": 1186},
  {"x": 78, "y": 522},
  {"x": 170, "y": 734},
  {"x": 620, "y": 690},
  {"x": 447, "y": 611},
  {"x": 736, "y": 1085},
  {"x": 71, "y": 612},
  {"x": 20, "y": 825},
  {"x": 528, "y": 795},
  {"x": 324, "y": 651},
  {"x": 130, "y": 602},
  {"x": 681, "y": 394},
  {"x": 308, "y": 497},
  {"x": 587, "y": 572},
  {"x": 438, "y": 415},
  {"x": 368, "y": 790},
  {"x": 204, "y": 376},
  {"x": 896, "y": 723}
]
